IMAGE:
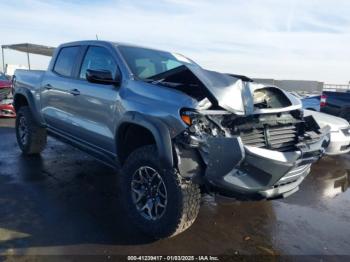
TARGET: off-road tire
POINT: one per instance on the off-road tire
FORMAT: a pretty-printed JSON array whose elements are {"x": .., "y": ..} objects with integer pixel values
[
  {"x": 183, "y": 196},
  {"x": 37, "y": 136}
]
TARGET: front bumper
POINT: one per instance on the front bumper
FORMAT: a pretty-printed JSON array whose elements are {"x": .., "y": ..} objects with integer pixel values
[
  {"x": 340, "y": 143},
  {"x": 244, "y": 172}
]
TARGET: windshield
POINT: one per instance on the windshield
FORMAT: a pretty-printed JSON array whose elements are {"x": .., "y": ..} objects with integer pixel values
[
  {"x": 3, "y": 77},
  {"x": 145, "y": 63}
]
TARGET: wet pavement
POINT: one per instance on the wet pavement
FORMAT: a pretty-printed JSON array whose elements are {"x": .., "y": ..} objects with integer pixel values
[{"x": 65, "y": 202}]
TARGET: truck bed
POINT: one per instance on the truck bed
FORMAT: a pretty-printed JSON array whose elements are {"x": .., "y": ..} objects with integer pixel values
[{"x": 29, "y": 78}]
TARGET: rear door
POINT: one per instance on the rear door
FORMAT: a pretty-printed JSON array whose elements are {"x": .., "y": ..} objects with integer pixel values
[
  {"x": 56, "y": 95},
  {"x": 94, "y": 109}
]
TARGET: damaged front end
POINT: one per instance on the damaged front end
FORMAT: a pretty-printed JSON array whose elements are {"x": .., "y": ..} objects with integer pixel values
[
  {"x": 242, "y": 139},
  {"x": 264, "y": 153},
  {"x": 256, "y": 157}
]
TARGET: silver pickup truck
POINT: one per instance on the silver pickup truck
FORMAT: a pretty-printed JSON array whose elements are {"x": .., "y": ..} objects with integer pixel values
[{"x": 173, "y": 129}]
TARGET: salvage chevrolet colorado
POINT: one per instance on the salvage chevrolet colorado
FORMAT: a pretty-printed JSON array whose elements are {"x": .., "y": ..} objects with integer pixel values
[{"x": 173, "y": 129}]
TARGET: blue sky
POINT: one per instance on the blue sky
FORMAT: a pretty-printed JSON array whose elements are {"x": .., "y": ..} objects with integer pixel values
[{"x": 290, "y": 39}]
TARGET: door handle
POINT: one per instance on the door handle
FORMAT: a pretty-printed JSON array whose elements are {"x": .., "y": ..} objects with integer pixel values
[
  {"x": 74, "y": 92},
  {"x": 48, "y": 87}
]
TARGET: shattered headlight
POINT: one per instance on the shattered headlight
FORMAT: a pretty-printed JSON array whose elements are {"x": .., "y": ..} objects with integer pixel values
[{"x": 199, "y": 124}]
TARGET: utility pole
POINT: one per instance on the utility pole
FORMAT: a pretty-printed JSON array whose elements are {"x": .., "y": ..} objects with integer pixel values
[{"x": 28, "y": 57}]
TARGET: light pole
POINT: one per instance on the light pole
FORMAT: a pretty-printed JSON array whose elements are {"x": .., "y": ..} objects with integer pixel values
[
  {"x": 28, "y": 57},
  {"x": 3, "y": 59}
]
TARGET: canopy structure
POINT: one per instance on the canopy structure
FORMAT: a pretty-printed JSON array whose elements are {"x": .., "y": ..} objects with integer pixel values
[{"x": 29, "y": 49}]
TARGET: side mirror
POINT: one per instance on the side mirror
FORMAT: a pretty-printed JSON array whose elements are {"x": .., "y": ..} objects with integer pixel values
[{"x": 102, "y": 77}]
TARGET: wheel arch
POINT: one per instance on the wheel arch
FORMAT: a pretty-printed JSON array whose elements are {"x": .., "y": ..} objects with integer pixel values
[
  {"x": 24, "y": 97},
  {"x": 149, "y": 130}
]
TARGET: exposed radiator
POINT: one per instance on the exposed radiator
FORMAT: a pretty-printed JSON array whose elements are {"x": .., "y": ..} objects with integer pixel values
[{"x": 281, "y": 138}]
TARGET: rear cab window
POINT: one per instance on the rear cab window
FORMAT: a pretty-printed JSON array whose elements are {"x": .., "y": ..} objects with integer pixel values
[{"x": 66, "y": 60}]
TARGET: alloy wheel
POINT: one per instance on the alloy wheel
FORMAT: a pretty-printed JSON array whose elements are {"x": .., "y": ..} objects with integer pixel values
[{"x": 149, "y": 193}]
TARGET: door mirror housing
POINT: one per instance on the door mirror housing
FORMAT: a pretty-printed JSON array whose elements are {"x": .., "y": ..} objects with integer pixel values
[{"x": 102, "y": 77}]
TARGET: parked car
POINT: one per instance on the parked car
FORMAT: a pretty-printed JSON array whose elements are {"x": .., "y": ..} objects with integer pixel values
[
  {"x": 173, "y": 128},
  {"x": 340, "y": 131},
  {"x": 336, "y": 103},
  {"x": 5, "y": 86},
  {"x": 310, "y": 102},
  {"x": 6, "y": 107}
]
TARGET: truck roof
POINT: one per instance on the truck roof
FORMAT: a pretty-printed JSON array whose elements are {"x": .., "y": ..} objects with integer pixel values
[{"x": 107, "y": 43}]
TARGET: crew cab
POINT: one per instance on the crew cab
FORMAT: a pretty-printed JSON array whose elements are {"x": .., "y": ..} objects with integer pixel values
[{"x": 172, "y": 128}]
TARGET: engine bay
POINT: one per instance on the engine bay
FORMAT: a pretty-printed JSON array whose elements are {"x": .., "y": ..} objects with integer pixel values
[{"x": 281, "y": 132}]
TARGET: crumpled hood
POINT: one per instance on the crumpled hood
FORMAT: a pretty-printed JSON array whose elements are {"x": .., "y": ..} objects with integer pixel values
[
  {"x": 323, "y": 119},
  {"x": 235, "y": 95}
]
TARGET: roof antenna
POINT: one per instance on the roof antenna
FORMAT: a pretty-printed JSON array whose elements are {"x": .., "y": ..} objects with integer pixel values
[{"x": 96, "y": 37}]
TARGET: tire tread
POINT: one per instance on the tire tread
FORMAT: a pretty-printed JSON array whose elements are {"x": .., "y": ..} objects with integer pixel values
[
  {"x": 37, "y": 134},
  {"x": 188, "y": 192}
]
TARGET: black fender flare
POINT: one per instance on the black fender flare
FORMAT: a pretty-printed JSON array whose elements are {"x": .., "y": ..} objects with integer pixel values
[
  {"x": 31, "y": 103},
  {"x": 159, "y": 131}
]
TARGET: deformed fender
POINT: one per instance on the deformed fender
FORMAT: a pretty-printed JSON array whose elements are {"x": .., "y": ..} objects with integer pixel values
[
  {"x": 225, "y": 153},
  {"x": 159, "y": 131},
  {"x": 31, "y": 103},
  {"x": 189, "y": 162}
]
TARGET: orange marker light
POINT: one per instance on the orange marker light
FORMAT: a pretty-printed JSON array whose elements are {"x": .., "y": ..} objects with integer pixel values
[{"x": 186, "y": 119}]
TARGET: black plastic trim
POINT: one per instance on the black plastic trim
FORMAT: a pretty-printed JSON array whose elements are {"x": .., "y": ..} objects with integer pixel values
[{"x": 159, "y": 131}]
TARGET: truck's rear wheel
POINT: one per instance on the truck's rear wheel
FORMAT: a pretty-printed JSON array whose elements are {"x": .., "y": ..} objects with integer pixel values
[
  {"x": 31, "y": 138},
  {"x": 159, "y": 202}
]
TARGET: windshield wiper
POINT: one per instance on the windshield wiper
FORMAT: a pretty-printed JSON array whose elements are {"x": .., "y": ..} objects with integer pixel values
[
  {"x": 162, "y": 82},
  {"x": 153, "y": 81},
  {"x": 158, "y": 81}
]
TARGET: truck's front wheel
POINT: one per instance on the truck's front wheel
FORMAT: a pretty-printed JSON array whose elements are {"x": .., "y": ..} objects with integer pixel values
[
  {"x": 31, "y": 138},
  {"x": 159, "y": 202}
]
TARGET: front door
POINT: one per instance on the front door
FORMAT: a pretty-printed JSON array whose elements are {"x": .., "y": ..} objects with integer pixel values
[{"x": 94, "y": 110}]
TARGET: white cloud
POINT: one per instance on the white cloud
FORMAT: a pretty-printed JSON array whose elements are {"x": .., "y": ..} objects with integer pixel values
[{"x": 280, "y": 39}]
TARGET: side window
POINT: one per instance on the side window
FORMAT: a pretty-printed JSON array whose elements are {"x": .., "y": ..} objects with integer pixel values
[
  {"x": 98, "y": 58},
  {"x": 66, "y": 60}
]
